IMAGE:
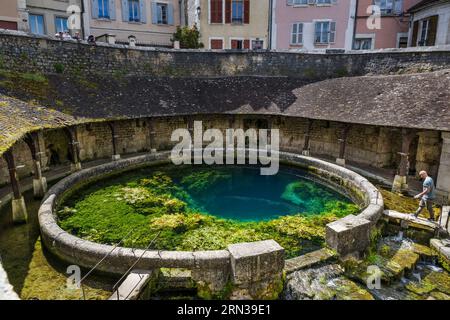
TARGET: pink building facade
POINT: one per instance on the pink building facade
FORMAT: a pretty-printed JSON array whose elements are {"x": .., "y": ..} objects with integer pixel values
[
  {"x": 393, "y": 27},
  {"x": 313, "y": 24}
]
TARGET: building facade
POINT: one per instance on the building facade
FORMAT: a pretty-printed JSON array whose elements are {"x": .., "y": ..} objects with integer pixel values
[
  {"x": 313, "y": 24},
  {"x": 430, "y": 23},
  {"x": 48, "y": 17},
  {"x": 393, "y": 26},
  {"x": 232, "y": 24},
  {"x": 149, "y": 22},
  {"x": 13, "y": 15}
]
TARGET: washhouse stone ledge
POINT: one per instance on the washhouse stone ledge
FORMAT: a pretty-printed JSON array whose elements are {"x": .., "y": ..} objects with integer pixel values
[{"x": 213, "y": 269}]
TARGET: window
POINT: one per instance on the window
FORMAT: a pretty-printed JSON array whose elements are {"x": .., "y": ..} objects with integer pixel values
[
  {"x": 362, "y": 44},
  {"x": 402, "y": 42},
  {"x": 390, "y": 6},
  {"x": 323, "y": 1},
  {"x": 299, "y": 2},
  {"x": 103, "y": 9},
  {"x": 297, "y": 33},
  {"x": 162, "y": 13},
  {"x": 133, "y": 10},
  {"x": 36, "y": 23},
  {"x": 216, "y": 44},
  {"x": 257, "y": 44},
  {"x": 237, "y": 9},
  {"x": 325, "y": 32},
  {"x": 237, "y": 44},
  {"x": 216, "y": 11},
  {"x": 61, "y": 24},
  {"x": 424, "y": 33}
]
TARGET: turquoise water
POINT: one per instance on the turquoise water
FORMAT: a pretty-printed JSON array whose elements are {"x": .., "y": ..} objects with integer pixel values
[{"x": 241, "y": 193}]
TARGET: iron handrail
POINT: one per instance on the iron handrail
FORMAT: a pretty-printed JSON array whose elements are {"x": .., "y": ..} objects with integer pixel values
[{"x": 80, "y": 283}]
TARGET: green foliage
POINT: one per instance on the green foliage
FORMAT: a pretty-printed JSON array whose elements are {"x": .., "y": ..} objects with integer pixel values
[
  {"x": 105, "y": 213},
  {"x": 34, "y": 77},
  {"x": 59, "y": 67},
  {"x": 189, "y": 37}
]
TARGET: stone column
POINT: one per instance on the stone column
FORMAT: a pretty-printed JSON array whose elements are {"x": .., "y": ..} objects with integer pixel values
[
  {"x": 39, "y": 181},
  {"x": 23, "y": 16},
  {"x": 443, "y": 176},
  {"x": 152, "y": 132},
  {"x": 74, "y": 144},
  {"x": 400, "y": 181},
  {"x": 306, "y": 147},
  {"x": 114, "y": 136},
  {"x": 342, "y": 145},
  {"x": 19, "y": 209}
]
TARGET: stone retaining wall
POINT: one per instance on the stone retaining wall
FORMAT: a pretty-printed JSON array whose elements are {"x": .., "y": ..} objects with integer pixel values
[
  {"x": 45, "y": 54},
  {"x": 212, "y": 269}
]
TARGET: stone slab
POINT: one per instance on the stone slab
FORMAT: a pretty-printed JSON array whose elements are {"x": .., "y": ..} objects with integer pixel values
[
  {"x": 133, "y": 285},
  {"x": 309, "y": 260}
]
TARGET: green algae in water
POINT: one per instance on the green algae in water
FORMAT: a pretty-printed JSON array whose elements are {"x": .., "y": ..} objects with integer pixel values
[
  {"x": 198, "y": 208},
  {"x": 33, "y": 272}
]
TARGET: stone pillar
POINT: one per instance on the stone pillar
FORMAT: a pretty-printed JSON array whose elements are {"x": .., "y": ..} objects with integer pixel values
[
  {"x": 342, "y": 145},
  {"x": 443, "y": 176},
  {"x": 74, "y": 144},
  {"x": 306, "y": 147},
  {"x": 400, "y": 181},
  {"x": 152, "y": 132},
  {"x": 349, "y": 236},
  {"x": 256, "y": 270},
  {"x": 39, "y": 181},
  {"x": 23, "y": 16},
  {"x": 114, "y": 136},
  {"x": 19, "y": 209}
]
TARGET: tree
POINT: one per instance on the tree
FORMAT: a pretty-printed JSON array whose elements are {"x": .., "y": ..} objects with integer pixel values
[{"x": 189, "y": 37}]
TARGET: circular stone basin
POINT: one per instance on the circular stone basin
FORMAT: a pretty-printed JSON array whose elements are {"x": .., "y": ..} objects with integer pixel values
[{"x": 190, "y": 215}]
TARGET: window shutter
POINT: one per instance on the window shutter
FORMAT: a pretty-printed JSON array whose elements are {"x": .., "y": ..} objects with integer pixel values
[
  {"x": 246, "y": 11},
  {"x": 398, "y": 6},
  {"x": 154, "y": 13},
  {"x": 227, "y": 11},
  {"x": 94, "y": 9},
  {"x": 247, "y": 44},
  {"x": 170, "y": 14},
  {"x": 415, "y": 34},
  {"x": 216, "y": 11},
  {"x": 233, "y": 44},
  {"x": 142, "y": 11},
  {"x": 125, "y": 13},
  {"x": 332, "y": 32},
  {"x": 432, "y": 30},
  {"x": 300, "y": 33},
  {"x": 112, "y": 9}
]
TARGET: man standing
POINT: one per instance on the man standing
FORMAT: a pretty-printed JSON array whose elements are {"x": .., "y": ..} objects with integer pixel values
[{"x": 426, "y": 196}]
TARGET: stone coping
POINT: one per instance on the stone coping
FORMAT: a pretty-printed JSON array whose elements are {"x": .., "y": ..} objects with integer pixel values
[
  {"x": 16, "y": 33},
  {"x": 87, "y": 254}
]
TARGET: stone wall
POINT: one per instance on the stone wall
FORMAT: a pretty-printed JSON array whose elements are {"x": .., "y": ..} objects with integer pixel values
[{"x": 43, "y": 54}]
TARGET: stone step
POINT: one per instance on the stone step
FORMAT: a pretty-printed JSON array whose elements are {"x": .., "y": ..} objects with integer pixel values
[
  {"x": 134, "y": 284},
  {"x": 442, "y": 249},
  {"x": 409, "y": 221},
  {"x": 308, "y": 260}
]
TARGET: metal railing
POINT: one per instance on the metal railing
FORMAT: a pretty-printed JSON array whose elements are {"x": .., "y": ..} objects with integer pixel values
[{"x": 80, "y": 283}]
